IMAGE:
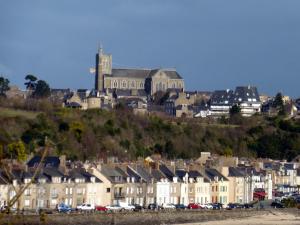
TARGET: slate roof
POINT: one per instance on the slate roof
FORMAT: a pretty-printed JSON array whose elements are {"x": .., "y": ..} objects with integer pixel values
[
  {"x": 194, "y": 174},
  {"x": 49, "y": 161},
  {"x": 244, "y": 93},
  {"x": 221, "y": 97},
  {"x": 157, "y": 174},
  {"x": 142, "y": 73},
  {"x": 180, "y": 173},
  {"x": 167, "y": 172},
  {"x": 52, "y": 172},
  {"x": 212, "y": 173},
  {"x": 234, "y": 172},
  {"x": 144, "y": 173}
]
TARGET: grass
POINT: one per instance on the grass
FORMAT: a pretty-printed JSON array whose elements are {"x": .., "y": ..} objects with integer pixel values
[{"x": 8, "y": 112}]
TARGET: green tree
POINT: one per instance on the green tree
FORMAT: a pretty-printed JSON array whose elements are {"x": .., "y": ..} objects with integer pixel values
[
  {"x": 4, "y": 86},
  {"x": 278, "y": 104},
  {"x": 42, "y": 90},
  {"x": 227, "y": 152},
  {"x": 235, "y": 109},
  {"x": 31, "y": 82},
  {"x": 18, "y": 150}
]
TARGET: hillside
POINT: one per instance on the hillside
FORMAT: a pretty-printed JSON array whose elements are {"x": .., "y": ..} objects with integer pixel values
[{"x": 98, "y": 133}]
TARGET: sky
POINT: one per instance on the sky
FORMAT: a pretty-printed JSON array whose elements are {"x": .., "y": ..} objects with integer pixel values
[{"x": 213, "y": 44}]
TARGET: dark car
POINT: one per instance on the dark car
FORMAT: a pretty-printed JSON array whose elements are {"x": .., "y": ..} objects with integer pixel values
[
  {"x": 154, "y": 206},
  {"x": 231, "y": 206},
  {"x": 217, "y": 206},
  {"x": 180, "y": 206},
  {"x": 248, "y": 206},
  {"x": 277, "y": 205},
  {"x": 138, "y": 207}
]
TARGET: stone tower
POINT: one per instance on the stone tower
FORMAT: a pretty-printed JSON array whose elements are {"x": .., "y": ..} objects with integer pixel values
[{"x": 103, "y": 66}]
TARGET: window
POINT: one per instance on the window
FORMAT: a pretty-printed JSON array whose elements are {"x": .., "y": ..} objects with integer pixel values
[
  {"x": 124, "y": 84},
  {"x": 107, "y": 190},
  {"x": 133, "y": 84},
  {"x": 27, "y": 202},
  {"x": 53, "y": 201},
  {"x": 115, "y": 84},
  {"x": 27, "y": 192},
  {"x": 173, "y": 85},
  {"x": 141, "y": 85}
]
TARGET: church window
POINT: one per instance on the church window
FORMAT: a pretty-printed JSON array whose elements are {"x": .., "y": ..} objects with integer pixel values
[
  {"x": 132, "y": 84},
  {"x": 141, "y": 85},
  {"x": 124, "y": 84},
  {"x": 179, "y": 85},
  {"x": 164, "y": 87},
  {"x": 115, "y": 85},
  {"x": 173, "y": 85}
]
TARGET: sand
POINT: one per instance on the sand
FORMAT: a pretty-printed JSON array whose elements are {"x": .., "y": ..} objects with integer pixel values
[{"x": 271, "y": 218}]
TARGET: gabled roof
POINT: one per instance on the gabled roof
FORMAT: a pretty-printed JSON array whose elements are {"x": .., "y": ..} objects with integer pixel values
[
  {"x": 212, "y": 173},
  {"x": 144, "y": 173},
  {"x": 52, "y": 172},
  {"x": 167, "y": 172},
  {"x": 157, "y": 175},
  {"x": 142, "y": 73},
  {"x": 195, "y": 174},
  {"x": 133, "y": 173},
  {"x": 234, "y": 172},
  {"x": 221, "y": 97},
  {"x": 245, "y": 93}
]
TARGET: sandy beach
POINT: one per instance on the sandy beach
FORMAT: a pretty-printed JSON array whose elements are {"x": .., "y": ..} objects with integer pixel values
[{"x": 270, "y": 218}]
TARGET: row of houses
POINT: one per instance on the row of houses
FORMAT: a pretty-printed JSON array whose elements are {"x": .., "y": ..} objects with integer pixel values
[{"x": 143, "y": 183}]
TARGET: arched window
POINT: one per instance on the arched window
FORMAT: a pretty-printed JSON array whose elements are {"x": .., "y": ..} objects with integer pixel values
[
  {"x": 173, "y": 85},
  {"x": 133, "y": 84},
  {"x": 115, "y": 84},
  {"x": 124, "y": 84},
  {"x": 160, "y": 86},
  {"x": 141, "y": 85}
]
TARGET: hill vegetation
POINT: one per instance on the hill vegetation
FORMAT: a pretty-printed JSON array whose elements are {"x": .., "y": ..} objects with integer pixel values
[{"x": 94, "y": 134}]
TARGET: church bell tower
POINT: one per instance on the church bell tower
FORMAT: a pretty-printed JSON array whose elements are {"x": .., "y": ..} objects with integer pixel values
[{"x": 103, "y": 66}]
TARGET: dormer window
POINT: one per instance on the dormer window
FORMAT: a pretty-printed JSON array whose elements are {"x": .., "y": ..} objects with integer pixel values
[
  {"x": 93, "y": 179},
  {"x": 42, "y": 180},
  {"x": 128, "y": 179},
  {"x": 132, "y": 179},
  {"x": 27, "y": 180}
]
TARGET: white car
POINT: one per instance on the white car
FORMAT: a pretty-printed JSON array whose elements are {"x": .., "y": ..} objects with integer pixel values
[
  {"x": 114, "y": 208},
  {"x": 168, "y": 206},
  {"x": 208, "y": 206},
  {"x": 85, "y": 207},
  {"x": 126, "y": 206}
]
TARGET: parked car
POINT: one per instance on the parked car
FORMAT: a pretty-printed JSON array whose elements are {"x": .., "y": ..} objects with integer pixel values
[
  {"x": 101, "y": 208},
  {"x": 208, "y": 206},
  {"x": 193, "y": 206},
  {"x": 63, "y": 208},
  {"x": 180, "y": 206},
  {"x": 231, "y": 206},
  {"x": 168, "y": 206},
  {"x": 248, "y": 206},
  {"x": 217, "y": 206},
  {"x": 154, "y": 206},
  {"x": 137, "y": 207},
  {"x": 115, "y": 208},
  {"x": 127, "y": 206},
  {"x": 277, "y": 205},
  {"x": 85, "y": 207}
]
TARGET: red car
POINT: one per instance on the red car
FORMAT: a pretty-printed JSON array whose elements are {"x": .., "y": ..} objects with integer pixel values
[
  {"x": 193, "y": 206},
  {"x": 101, "y": 208}
]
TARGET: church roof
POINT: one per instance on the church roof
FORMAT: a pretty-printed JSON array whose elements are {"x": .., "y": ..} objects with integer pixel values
[{"x": 142, "y": 73}]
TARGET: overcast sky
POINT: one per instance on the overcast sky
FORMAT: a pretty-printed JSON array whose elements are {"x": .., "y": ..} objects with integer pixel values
[{"x": 213, "y": 44}]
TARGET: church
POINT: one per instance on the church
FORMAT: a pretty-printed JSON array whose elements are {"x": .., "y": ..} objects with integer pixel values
[{"x": 143, "y": 81}]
